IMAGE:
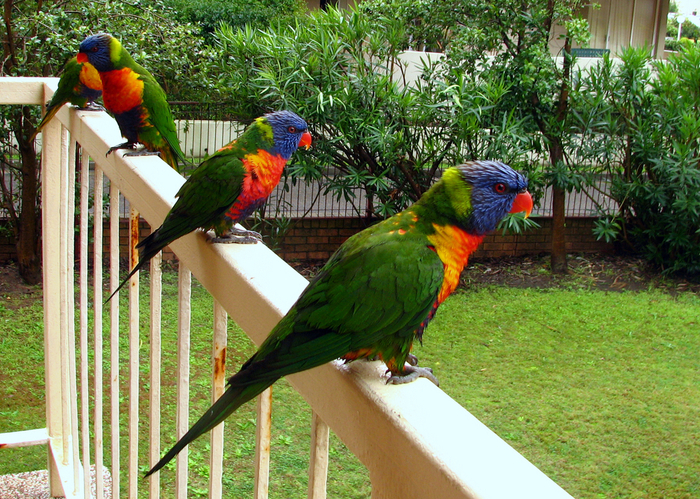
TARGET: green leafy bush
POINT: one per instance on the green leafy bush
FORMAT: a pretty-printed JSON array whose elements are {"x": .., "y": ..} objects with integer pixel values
[
  {"x": 343, "y": 72},
  {"x": 209, "y": 14},
  {"x": 648, "y": 112}
]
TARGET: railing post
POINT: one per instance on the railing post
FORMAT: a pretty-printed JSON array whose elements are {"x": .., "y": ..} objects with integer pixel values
[
  {"x": 134, "y": 343},
  {"x": 182, "y": 420},
  {"x": 156, "y": 365},
  {"x": 318, "y": 462},
  {"x": 53, "y": 301},
  {"x": 263, "y": 437},
  {"x": 218, "y": 386}
]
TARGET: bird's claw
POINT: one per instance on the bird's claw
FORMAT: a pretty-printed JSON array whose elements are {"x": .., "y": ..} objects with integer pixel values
[
  {"x": 412, "y": 359},
  {"x": 92, "y": 106},
  {"x": 239, "y": 236},
  {"x": 412, "y": 373},
  {"x": 125, "y": 145},
  {"x": 142, "y": 152}
]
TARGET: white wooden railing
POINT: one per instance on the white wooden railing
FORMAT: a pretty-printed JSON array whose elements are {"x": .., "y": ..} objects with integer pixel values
[{"x": 415, "y": 440}]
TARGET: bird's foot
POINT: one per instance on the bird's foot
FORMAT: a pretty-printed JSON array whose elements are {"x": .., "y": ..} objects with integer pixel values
[
  {"x": 412, "y": 373},
  {"x": 239, "y": 236},
  {"x": 412, "y": 359},
  {"x": 92, "y": 106},
  {"x": 142, "y": 152},
  {"x": 125, "y": 145}
]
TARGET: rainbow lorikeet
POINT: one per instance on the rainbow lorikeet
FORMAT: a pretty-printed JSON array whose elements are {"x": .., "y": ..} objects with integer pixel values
[
  {"x": 134, "y": 97},
  {"x": 80, "y": 84},
  {"x": 229, "y": 185},
  {"x": 380, "y": 289}
]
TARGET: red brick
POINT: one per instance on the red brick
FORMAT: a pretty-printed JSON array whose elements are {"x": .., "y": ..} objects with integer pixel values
[{"x": 319, "y": 255}]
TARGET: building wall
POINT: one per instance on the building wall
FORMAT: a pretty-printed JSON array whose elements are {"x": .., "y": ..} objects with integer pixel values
[{"x": 618, "y": 24}]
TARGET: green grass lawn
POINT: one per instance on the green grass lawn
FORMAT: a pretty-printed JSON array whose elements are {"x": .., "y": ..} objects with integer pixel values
[{"x": 600, "y": 390}]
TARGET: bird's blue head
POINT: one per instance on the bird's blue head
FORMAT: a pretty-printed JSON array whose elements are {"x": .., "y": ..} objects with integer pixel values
[
  {"x": 484, "y": 192},
  {"x": 99, "y": 50},
  {"x": 289, "y": 132}
]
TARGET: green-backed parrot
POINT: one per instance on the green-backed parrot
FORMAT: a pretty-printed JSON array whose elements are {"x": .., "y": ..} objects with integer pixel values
[
  {"x": 229, "y": 185},
  {"x": 135, "y": 99},
  {"x": 80, "y": 84},
  {"x": 380, "y": 289}
]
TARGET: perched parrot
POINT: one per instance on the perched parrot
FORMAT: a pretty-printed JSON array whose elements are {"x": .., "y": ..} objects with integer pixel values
[
  {"x": 380, "y": 289},
  {"x": 80, "y": 85},
  {"x": 135, "y": 99},
  {"x": 229, "y": 185}
]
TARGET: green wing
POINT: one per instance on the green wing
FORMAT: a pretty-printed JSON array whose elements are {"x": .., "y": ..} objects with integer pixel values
[
  {"x": 161, "y": 116},
  {"x": 65, "y": 92},
  {"x": 211, "y": 190},
  {"x": 373, "y": 294},
  {"x": 163, "y": 137}
]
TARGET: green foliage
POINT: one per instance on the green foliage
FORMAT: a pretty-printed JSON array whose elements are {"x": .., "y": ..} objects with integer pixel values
[
  {"x": 46, "y": 37},
  {"x": 647, "y": 114},
  {"x": 343, "y": 72},
  {"x": 209, "y": 14}
]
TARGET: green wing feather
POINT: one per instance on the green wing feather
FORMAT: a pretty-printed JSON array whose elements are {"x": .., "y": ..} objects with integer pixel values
[
  {"x": 160, "y": 116},
  {"x": 354, "y": 303},
  {"x": 211, "y": 190},
  {"x": 65, "y": 92}
]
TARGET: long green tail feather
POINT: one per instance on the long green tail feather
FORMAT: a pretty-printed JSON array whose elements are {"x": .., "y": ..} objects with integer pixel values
[
  {"x": 151, "y": 246},
  {"x": 50, "y": 113},
  {"x": 232, "y": 399}
]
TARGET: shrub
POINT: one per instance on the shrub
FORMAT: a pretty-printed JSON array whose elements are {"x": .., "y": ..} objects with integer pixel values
[
  {"x": 378, "y": 130},
  {"x": 209, "y": 14},
  {"x": 649, "y": 115}
]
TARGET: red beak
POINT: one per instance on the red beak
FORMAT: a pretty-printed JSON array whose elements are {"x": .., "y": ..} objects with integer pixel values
[
  {"x": 305, "y": 140},
  {"x": 523, "y": 202},
  {"x": 82, "y": 57}
]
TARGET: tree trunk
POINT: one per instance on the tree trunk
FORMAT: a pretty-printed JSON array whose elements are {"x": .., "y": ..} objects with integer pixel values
[
  {"x": 558, "y": 258},
  {"x": 28, "y": 258}
]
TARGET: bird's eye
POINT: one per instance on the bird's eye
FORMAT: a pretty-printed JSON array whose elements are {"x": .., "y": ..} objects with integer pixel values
[
  {"x": 500, "y": 188},
  {"x": 94, "y": 49},
  {"x": 292, "y": 129}
]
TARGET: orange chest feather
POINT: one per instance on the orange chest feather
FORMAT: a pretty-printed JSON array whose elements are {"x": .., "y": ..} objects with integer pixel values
[
  {"x": 263, "y": 172},
  {"x": 453, "y": 246},
  {"x": 121, "y": 90},
  {"x": 90, "y": 77}
]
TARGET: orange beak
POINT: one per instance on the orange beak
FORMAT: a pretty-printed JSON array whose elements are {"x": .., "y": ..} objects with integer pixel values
[
  {"x": 523, "y": 202},
  {"x": 305, "y": 140},
  {"x": 82, "y": 58}
]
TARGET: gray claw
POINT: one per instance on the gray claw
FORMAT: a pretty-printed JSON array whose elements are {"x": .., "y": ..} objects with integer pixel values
[
  {"x": 412, "y": 359},
  {"x": 412, "y": 373},
  {"x": 239, "y": 236}
]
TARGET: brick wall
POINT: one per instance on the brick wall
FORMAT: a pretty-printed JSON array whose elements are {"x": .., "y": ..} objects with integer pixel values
[
  {"x": 8, "y": 251},
  {"x": 318, "y": 238}
]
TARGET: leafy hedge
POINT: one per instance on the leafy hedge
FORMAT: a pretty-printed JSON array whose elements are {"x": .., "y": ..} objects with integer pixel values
[{"x": 649, "y": 113}]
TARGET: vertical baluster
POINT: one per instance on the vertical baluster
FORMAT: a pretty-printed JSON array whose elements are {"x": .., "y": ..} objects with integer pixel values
[
  {"x": 133, "y": 357},
  {"x": 53, "y": 300},
  {"x": 114, "y": 215},
  {"x": 70, "y": 309},
  {"x": 98, "y": 343},
  {"x": 318, "y": 463},
  {"x": 63, "y": 273},
  {"x": 183, "y": 374},
  {"x": 263, "y": 435},
  {"x": 156, "y": 299},
  {"x": 218, "y": 387},
  {"x": 83, "y": 313}
]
